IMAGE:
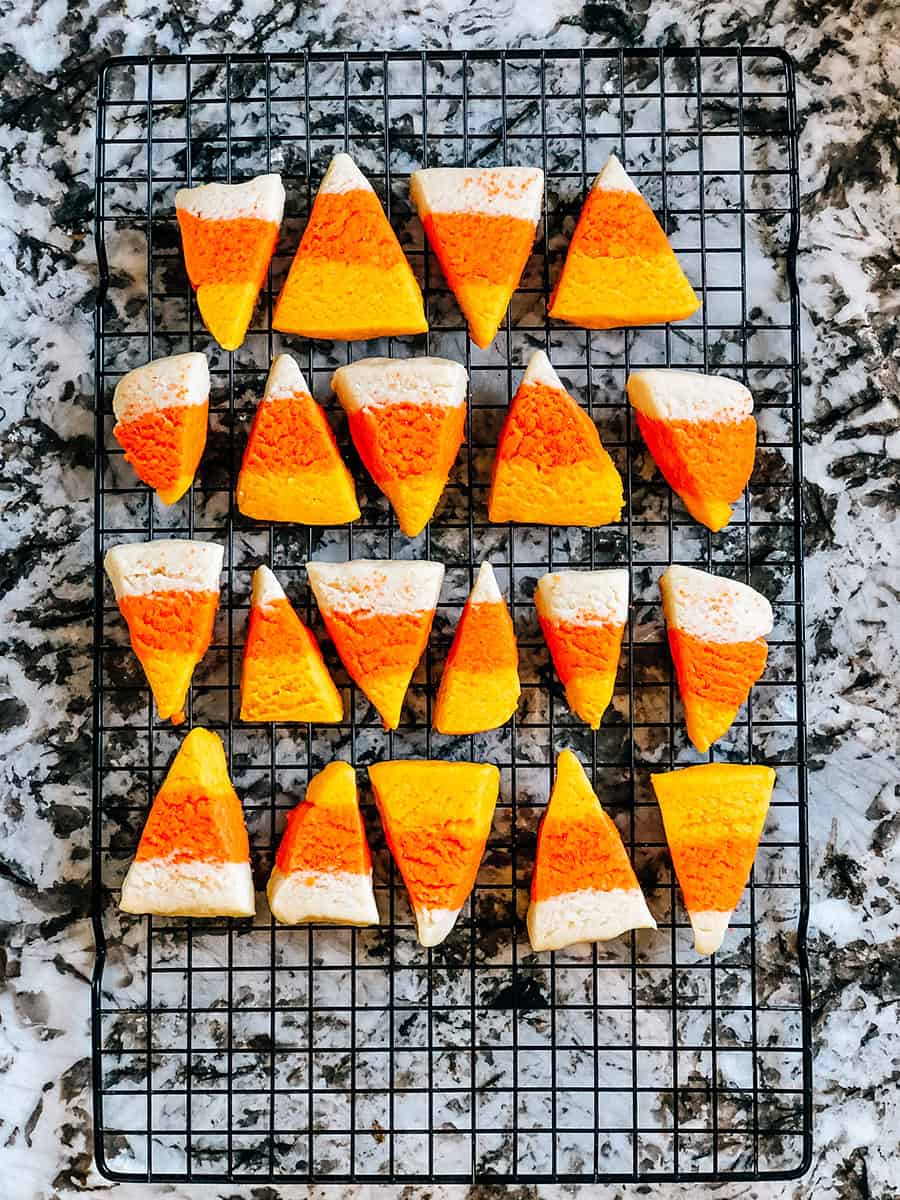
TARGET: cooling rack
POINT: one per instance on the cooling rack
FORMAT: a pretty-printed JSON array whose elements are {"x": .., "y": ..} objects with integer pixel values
[{"x": 242, "y": 1051}]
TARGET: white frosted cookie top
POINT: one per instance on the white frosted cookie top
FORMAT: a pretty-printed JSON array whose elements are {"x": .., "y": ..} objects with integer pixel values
[
  {"x": 614, "y": 178},
  {"x": 262, "y": 198},
  {"x": 373, "y": 585},
  {"x": 266, "y": 588},
  {"x": 485, "y": 589},
  {"x": 343, "y": 175},
  {"x": 540, "y": 371},
  {"x": 669, "y": 395},
  {"x": 584, "y": 597},
  {"x": 713, "y": 609},
  {"x": 175, "y": 382},
  {"x": 169, "y": 565},
  {"x": 285, "y": 379},
  {"x": 493, "y": 191},
  {"x": 377, "y": 381}
]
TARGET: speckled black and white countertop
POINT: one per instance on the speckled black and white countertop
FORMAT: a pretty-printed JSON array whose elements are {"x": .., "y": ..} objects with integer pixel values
[{"x": 848, "y": 56}]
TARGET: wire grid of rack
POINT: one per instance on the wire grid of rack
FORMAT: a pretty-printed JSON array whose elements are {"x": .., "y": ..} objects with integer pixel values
[{"x": 240, "y": 1050}]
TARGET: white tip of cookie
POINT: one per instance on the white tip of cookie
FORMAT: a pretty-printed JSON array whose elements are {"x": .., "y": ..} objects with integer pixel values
[
  {"x": 376, "y": 585},
  {"x": 170, "y": 564},
  {"x": 261, "y": 198},
  {"x": 614, "y": 178},
  {"x": 712, "y": 608},
  {"x": 435, "y": 924},
  {"x": 588, "y": 915},
  {"x": 332, "y": 898},
  {"x": 174, "y": 382},
  {"x": 171, "y": 888}
]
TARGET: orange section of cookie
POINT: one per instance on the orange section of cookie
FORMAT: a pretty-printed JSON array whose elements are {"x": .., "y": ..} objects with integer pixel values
[
  {"x": 714, "y": 815},
  {"x": 578, "y": 845},
  {"x": 292, "y": 469},
  {"x": 436, "y": 817},
  {"x": 481, "y": 224},
  {"x": 196, "y": 814},
  {"x": 162, "y": 413},
  {"x": 284, "y": 677},
  {"x": 193, "y": 858},
  {"x": 620, "y": 268},
  {"x": 379, "y": 615},
  {"x": 168, "y": 593},
  {"x": 350, "y": 278},
  {"x": 716, "y": 630},
  {"x": 326, "y": 832},
  {"x": 407, "y": 418},
  {"x": 702, "y": 435},
  {"x": 550, "y": 467},
  {"x": 480, "y": 685},
  {"x": 229, "y": 233}
]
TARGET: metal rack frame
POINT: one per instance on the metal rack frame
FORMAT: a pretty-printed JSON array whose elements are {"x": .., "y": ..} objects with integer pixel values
[{"x": 242, "y": 1051}]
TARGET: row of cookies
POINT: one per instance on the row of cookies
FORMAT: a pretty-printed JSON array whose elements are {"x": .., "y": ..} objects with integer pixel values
[
  {"x": 407, "y": 421},
  {"x": 351, "y": 280},
  {"x": 379, "y": 617},
  {"x": 193, "y": 858}
]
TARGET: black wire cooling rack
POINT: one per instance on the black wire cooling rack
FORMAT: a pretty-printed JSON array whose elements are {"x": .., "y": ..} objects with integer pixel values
[{"x": 243, "y": 1051}]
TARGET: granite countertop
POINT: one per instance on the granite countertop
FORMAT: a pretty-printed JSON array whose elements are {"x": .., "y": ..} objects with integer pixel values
[{"x": 848, "y": 59}]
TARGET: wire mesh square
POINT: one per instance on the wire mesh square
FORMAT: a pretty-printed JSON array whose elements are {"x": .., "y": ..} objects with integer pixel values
[{"x": 247, "y": 1051}]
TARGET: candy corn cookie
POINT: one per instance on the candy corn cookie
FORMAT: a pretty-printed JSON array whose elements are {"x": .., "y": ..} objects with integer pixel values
[
  {"x": 481, "y": 224},
  {"x": 407, "y": 418},
  {"x": 436, "y": 817},
  {"x": 193, "y": 859},
  {"x": 480, "y": 685},
  {"x": 229, "y": 232},
  {"x": 292, "y": 468},
  {"x": 583, "y": 888},
  {"x": 550, "y": 467},
  {"x": 717, "y": 629},
  {"x": 162, "y": 412},
  {"x": 168, "y": 593},
  {"x": 713, "y": 815},
  {"x": 702, "y": 435},
  {"x": 620, "y": 268},
  {"x": 379, "y": 615},
  {"x": 349, "y": 278},
  {"x": 283, "y": 677},
  {"x": 582, "y": 616},
  {"x": 323, "y": 868}
]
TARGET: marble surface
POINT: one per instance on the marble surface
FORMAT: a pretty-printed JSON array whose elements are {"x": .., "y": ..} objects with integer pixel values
[{"x": 848, "y": 57}]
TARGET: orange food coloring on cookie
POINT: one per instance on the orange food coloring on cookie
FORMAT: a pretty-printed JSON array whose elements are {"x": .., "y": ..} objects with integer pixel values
[
  {"x": 617, "y": 224},
  {"x": 721, "y": 673},
  {"x": 480, "y": 246},
  {"x": 575, "y": 647},
  {"x": 190, "y": 823},
  {"x": 372, "y": 644},
  {"x": 351, "y": 226},
  {"x": 226, "y": 251},
  {"x": 180, "y": 620},
  {"x": 709, "y": 459},
  {"x": 323, "y": 837},
  {"x": 712, "y": 874},
  {"x": 289, "y": 434},
  {"x": 485, "y": 641},
  {"x": 439, "y": 864},
  {"x": 577, "y": 854},
  {"x": 545, "y": 426},
  {"x": 399, "y": 440},
  {"x": 165, "y": 445},
  {"x": 284, "y": 676}
]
